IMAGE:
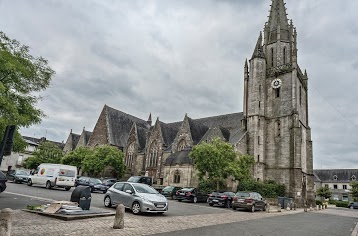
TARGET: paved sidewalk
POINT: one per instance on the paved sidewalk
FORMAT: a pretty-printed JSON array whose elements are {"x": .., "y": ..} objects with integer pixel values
[{"x": 32, "y": 224}]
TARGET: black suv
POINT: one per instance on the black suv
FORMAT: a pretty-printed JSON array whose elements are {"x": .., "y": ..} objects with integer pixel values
[
  {"x": 95, "y": 184},
  {"x": 221, "y": 198},
  {"x": 2, "y": 182}
]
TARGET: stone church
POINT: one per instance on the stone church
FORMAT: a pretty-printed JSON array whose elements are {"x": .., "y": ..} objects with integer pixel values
[{"x": 273, "y": 126}]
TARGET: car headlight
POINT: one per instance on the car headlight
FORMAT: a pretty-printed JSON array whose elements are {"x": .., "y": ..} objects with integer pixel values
[{"x": 146, "y": 199}]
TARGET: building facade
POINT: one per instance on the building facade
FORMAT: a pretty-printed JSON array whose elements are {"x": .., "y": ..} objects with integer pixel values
[{"x": 273, "y": 126}]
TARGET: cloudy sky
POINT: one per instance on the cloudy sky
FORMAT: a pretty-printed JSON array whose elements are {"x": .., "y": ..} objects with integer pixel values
[{"x": 174, "y": 57}]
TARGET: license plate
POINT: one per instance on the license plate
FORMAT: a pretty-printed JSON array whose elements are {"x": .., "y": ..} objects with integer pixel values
[
  {"x": 182, "y": 194},
  {"x": 215, "y": 200},
  {"x": 241, "y": 200},
  {"x": 160, "y": 205}
]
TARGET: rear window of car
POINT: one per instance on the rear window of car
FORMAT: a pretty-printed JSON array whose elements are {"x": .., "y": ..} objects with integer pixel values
[
  {"x": 21, "y": 172},
  {"x": 2, "y": 175},
  {"x": 242, "y": 194},
  {"x": 168, "y": 188},
  {"x": 67, "y": 173}
]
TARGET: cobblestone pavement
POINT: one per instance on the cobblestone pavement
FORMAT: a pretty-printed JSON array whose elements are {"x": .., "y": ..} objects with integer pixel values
[{"x": 32, "y": 224}]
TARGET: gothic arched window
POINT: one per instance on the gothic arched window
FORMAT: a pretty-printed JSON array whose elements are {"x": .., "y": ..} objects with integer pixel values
[
  {"x": 152, "y": 157},
  {"x": 177, "y": 177},
  {"x": 181, "y": 145},
  {"x": 130, "y": 155}
]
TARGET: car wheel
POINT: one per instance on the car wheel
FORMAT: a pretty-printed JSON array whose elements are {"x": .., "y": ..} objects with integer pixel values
[
  {"x": 48, "y": 184},
  {"x": 210, "y": 204},
  {"x": 104, "y": 191},
  {"x": 107, "y": 201},
  {"x": 174, "y": 197},
  {"x": 351, "y": 207},
  {"x": 92, "y": 190},
  {"x": 136, "y": 208},
  {"x": 195, "y": 199},
  {"x": 29, "y": 182},
  {"x": 67, "y": 188},
  {"x": 15, "y": 181},
  {"x": 179, "y": 200},
  {"x": 227, "y": 204},
  {"x": 252, "y": 209},
  {"x": 234, "y": 208}
]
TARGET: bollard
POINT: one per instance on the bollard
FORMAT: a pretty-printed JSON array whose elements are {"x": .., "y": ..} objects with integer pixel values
[
  {"x": 294, "y": 206},
  {"x": 268, "y": 208},
  {"x": 119, "y": 218},
  {"x": 279, "y": 207},
  {"x": 319, "y": 207},
  {"x": 5, "y": 222},
  {"x": 288, "y": 207},
  {"x": 316, "y": 208},
  {"x": 291, "y": 206},
  {"x": 305, "y": 208},
  {"x": 311, "y": 208}
]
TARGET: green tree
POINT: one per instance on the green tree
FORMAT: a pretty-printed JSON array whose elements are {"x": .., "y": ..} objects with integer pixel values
[
  {"x": 324, "y": 192},
  {"x": 268, "y": 189},
  {"x": 354, "y": 190},
  {"x": 47, "y": 152},
  {"x": 76, "y": 157},
  {"x": 21, "y": 77},
  {"x": 103, "y": 157},
  {"x": 218, "y": 160}
]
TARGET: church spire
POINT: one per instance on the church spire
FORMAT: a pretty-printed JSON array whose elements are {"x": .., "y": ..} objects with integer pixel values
[
  {"x": 258, "y": 52},
  {"x": 149, "y": 121},
  {"x": 277, "y": 28}
]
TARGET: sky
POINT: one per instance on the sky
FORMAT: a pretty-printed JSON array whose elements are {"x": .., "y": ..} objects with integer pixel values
[{"x": 170, "y": 58}]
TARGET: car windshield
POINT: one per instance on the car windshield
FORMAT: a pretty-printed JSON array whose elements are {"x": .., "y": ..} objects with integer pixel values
[
  {"x": 242, "y": 194},
  {"x": 168, "y": 188},
  {"x": 142, "y": 188},
  {"x": 96, "y": 181},
  {"x": 21, "y": 172},
  {"x": 134, "y": 179}
]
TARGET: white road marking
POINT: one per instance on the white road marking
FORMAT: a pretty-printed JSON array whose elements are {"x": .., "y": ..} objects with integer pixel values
[{"x": 32, "y": 197}]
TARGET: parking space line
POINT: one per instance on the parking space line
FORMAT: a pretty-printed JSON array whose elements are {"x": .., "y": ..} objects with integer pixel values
[{"x": 33, "y": 197}]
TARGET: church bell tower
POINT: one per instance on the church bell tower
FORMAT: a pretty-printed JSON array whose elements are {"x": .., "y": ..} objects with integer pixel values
[{"x": 276, "y": 108}]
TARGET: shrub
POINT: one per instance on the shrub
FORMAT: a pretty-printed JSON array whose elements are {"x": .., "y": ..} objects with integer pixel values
[
  {"x": 332, "y": 202},
  {"x": 341, "y": 204},
  {"x": 318, "y": 202},
  {"x": 268, "y": 189},
  {"x": 208, "y": 186}
]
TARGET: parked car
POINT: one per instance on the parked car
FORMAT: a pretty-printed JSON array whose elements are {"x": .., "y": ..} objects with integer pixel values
[
  {"x": 251, "y": 201},
  {"x": 18, "y": 176},
  {"x": 141, "y": 179},
  {"x": 95, "y": 184},
  {"x": 170, "y": 191},
  {"x": 109, "y": 182},
  {"x": 137, "y": 197},
  {"x": 2, "y": 182},
  {"x": 353, "y": 205},
  {"x": 54, "y": 175},
  {"x": 221, "y": 198},
  {"x": 191, "y": 194}
]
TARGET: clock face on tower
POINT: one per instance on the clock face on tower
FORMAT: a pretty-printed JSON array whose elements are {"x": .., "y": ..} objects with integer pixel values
[{"x": 276, "y": 83}]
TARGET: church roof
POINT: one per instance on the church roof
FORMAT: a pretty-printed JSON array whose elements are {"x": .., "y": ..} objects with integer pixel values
[
  {"x": 179, "y": 158},
  {"x": 197, "y": 130},
  {"x": 229, "y": 121},
  {"x": 142, "y": 137},
  {"x": 343, "y": 175},
  {"x": 75, "y": 139},
  {"x": 119, "y": 124},
  {"x": 169, "y": 131},
  {"x": 278, "y": 16}
]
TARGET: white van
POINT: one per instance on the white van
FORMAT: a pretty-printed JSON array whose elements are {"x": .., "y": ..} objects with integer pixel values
[{"x": 54, "y": 175}]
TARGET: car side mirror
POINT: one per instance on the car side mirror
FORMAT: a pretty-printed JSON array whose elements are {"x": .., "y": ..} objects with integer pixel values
[{"x": 129, "y": 191}]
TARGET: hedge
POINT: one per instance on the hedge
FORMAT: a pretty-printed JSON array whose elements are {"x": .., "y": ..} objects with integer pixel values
[
  {"x": 342, "y": 204},
  {"x": 268, "y": 189}
]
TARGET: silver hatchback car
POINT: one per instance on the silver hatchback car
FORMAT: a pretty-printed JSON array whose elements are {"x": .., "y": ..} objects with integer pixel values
[{"x": 137, "y": 197}]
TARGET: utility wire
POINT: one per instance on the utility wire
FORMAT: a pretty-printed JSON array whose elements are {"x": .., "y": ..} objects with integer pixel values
[{"x": 346, "y": 118}]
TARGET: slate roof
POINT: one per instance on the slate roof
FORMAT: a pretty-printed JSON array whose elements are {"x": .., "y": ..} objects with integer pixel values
[
  {"x": 229, "y": 121},
  {"x": 43, "y": 139},
  {"x": 75, "y": 139},
  {"x": 197, "y": 130},
  {"x": 179, "y": 158},
  {"x": 343, "y": 175},
  {"x": 87, "y": 135},
  {"x": 169, "y": 131},
  {"x": 142, "y": 137},
  {"x": 119, "y": 125}
]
